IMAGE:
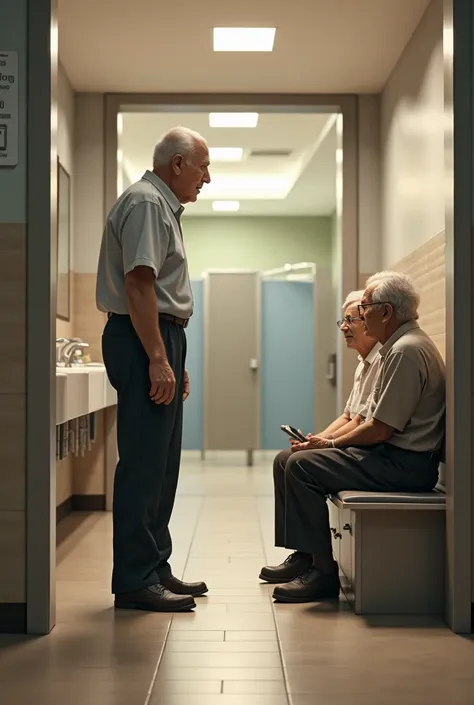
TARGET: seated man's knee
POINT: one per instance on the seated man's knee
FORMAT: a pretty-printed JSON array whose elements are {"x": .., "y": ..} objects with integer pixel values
[
  {"x": 295, "y": 465},
  {"x": 279, "y": 464}
]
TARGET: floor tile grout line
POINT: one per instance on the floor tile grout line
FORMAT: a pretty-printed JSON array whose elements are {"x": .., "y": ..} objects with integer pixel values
[
  {"x": 280, "y": 652},
  {"x": 157, "y": 667},
  {"x": 160, "y": 658}
]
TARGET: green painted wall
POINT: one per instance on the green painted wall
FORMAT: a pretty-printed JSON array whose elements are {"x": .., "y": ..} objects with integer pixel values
[{"x": 255, "y": 243}]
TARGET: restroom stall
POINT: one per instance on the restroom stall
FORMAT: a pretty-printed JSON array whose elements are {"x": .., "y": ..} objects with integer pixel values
[{"x": 251, "y": 359}]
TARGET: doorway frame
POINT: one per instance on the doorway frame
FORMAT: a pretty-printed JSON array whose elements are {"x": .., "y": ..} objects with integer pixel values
[{"x": 347, "y": 207}]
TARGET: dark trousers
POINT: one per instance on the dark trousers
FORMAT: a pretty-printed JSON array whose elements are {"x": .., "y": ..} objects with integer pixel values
[
  {"x": 149, "y": 448},
  {"x": 305, "y": 479}
]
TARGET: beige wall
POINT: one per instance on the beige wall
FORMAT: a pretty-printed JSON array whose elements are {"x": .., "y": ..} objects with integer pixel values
[
  {"x": 412, "y": 143},
  {"x": 66, "y": 127},
  {"x": 80, "y": 149},
  {"x": 369, "y": 210}
]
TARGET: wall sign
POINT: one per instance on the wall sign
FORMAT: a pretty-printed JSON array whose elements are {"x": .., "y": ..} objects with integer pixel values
[{"x": 8, "y": 108}]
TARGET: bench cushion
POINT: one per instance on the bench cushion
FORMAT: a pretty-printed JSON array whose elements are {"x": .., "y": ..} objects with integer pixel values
[{"x": 437, "y": 496}]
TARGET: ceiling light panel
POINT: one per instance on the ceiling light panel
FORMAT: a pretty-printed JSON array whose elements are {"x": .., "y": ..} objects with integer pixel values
[
  {"x": 226, "y": 206},
  {"x": 226, "y": 154},
  {"x": 233, "y": 119},
  {"x": 243, "y": 38}
]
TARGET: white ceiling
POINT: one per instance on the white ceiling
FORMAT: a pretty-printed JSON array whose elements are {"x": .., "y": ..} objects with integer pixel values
[
  {"x": 302, "y": 183},
  {"x": 321, "y": 46}
]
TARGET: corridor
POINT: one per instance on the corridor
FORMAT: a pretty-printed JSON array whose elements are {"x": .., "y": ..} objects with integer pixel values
[{"x": 237, "y": 648}]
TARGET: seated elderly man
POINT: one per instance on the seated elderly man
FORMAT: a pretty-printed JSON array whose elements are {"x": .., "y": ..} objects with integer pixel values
[
  {"x": 353, "y": 329},
  {"x": 397, "y": 448}
]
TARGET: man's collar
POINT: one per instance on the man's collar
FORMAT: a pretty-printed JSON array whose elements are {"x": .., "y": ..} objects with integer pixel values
[
  {"x": 371, "y": 356},
  {"x": 411, "y": 325},
  {"x": 165, "y": 191}
]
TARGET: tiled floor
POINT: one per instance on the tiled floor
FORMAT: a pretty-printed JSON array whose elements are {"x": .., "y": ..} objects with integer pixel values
[{"x": 237, "y": 648}]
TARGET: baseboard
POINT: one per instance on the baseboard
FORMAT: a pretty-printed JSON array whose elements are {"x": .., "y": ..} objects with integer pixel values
[
  {"x": 80, "y": 503},
  {"x": 88, "y": 502},
  {"x": 63, "y": 509},
  {"x": 12, "y": 617}
]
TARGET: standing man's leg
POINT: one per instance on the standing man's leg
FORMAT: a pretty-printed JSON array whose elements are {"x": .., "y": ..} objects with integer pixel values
[
  {"x": 144, "y": 433},
  {"x": 297, "y": 562},
  {"x": 160, "y": 528}
]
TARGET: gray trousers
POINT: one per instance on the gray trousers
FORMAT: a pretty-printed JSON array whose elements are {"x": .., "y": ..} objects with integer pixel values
[{"x": 305, "y": 479}]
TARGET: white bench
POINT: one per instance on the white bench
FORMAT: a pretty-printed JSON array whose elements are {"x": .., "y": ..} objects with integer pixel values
[{"x": 391, "y": 550}]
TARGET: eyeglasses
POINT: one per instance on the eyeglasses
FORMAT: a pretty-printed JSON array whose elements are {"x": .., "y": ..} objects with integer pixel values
[
  {"x": 362, "y": 307},
  {"x": 348, "y": 320}
]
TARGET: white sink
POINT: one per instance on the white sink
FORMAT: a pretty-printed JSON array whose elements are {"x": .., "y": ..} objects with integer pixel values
[
  {"x": 61, "y": 397},
  {"x": 82, "y": 390},
  {"x": 77, "y": 392}
]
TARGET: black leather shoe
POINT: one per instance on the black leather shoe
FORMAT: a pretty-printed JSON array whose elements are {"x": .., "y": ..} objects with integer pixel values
[
  {"x": 294, "y": 565},
  {"x": 177, "y": 586},
  {"x": 155, "y": 598},
  {"x": 311, "y": 586}
]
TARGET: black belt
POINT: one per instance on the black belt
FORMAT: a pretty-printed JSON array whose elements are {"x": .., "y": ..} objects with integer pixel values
[{"x": 183, "y": 322}]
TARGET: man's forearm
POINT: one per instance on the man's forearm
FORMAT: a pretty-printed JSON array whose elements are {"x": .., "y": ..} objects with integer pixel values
[
  {"x": 347, "y": 428},
  {"x": 143, "y": 308},
  {"x": 335, "y": 426},
  {"x": 368, "y": 433}
]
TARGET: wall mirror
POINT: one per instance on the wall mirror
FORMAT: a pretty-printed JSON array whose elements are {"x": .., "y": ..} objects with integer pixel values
[{"x": 64, "y": 245}]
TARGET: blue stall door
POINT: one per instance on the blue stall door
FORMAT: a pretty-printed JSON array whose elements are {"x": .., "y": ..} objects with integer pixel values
[
  {"x": 193, "y": 407},
  {"x": 287, "y": 365}
]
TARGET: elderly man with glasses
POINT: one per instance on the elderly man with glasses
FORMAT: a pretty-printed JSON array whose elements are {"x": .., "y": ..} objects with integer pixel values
[
  {"x": 396, "y": 448},
  {"x": 353, "y": 329}
]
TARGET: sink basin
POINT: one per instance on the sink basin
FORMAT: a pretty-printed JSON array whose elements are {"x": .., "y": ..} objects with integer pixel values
[
  {"x": 81, "y": 390},
  {"x": 77, "y": 392},
  {"x": 61, "y": 398}
]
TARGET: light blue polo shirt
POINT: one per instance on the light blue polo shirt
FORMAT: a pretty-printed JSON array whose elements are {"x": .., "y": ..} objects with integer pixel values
[{"x": 143, "y": 229}]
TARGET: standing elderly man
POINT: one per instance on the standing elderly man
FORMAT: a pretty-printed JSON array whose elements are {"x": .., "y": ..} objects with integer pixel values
[
  {"x": 143, "y": 286},
  {"x": 397, "y": 448},
  {"x": 353, "y": 329}
]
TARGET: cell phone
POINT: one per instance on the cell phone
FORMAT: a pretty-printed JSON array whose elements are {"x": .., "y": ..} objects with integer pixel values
[{"x": 293, "y": 433}]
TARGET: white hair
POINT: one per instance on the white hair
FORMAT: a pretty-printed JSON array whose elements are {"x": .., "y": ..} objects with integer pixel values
[
  {"x": 179, "y": 140},
  {"x": 352, "y": 299},
  {"x": 398, "y": 290}
]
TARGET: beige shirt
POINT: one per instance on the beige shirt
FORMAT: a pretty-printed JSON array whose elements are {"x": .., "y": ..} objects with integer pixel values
[
  {"x": 143, "y": 229},
  {"x": 410, "y": 391},
  {"x": 364, "y": 379}
]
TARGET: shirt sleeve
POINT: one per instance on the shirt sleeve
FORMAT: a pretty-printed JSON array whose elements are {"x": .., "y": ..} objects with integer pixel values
[
  {"x": 399, "y": 393},
  {"x": 347, "y": 408},
  {"x": 144, "y": 237}
]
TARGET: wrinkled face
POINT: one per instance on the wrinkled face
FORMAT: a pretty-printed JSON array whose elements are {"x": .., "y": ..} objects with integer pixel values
[
  {"x": 353, "y": 329},
  {"x": 190, "y": 174},
  {"x": 375, "y": 316}
]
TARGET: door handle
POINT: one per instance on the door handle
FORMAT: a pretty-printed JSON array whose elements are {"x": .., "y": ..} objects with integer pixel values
[{"x": 254, "y": 364}]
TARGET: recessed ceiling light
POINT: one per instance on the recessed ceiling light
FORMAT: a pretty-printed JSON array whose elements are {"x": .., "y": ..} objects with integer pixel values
[
  {"x": 226, "y": 206},
  {"x": 233, "y": 119},
  {"x": 244, "y": 38},
  {"x": 226, "y": 154}
]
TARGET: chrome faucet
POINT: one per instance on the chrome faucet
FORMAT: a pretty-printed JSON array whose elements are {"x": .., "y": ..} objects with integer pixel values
[
  {"x": 70, "y": 349},
  {"x": 62, "y": 349}
]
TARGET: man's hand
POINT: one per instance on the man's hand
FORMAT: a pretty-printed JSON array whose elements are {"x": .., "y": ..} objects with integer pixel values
[
  {"x": 313, "y": 443},
  {"x": 187, "y": 386},
  {"x": 162, "y": 381}
]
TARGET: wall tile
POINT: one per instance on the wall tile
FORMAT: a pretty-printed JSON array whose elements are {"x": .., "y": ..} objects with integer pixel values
[
  {"x": 12, "y": 308},
  {"x": 12, "y": 451},
  {"x": 13, "y": 555}
]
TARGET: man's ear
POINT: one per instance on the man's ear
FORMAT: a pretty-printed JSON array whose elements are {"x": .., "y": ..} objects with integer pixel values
[
  {"x": 177, "y": 164},
  {"x": 388, "y": 313}
]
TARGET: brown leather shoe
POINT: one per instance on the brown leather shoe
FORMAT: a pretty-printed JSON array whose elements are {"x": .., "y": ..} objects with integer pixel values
[
  {"x": 311, "y": 586},
  {"x": 155, "y": 598},
  {"x": 178, "y": 587},
  {"x": 294, "y": 565}
]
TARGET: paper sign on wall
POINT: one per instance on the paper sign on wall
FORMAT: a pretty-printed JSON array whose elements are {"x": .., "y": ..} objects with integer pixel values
[{"x": 8, "y": 108}]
